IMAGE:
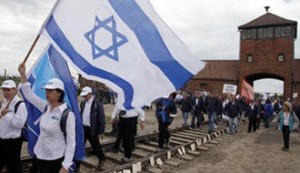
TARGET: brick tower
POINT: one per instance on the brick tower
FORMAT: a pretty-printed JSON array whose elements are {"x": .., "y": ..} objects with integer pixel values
[{"x": 267, "y": 50}]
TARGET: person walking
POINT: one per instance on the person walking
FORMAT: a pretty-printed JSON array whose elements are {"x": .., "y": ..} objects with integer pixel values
[
  {"x": 286, "y": 119},
  {"x": 233, "y": 110},
  {"x": 268, "y": 113},
  {"x": 260, "y": 110},
  {"x": 186, "y": 107},
  {"x": 127, "y": 127},
  {"x": 252, "y": 113},
  {"x": 115, "y": 122},
  {"x": 12, "y": 119},
  {"x": 198, "y": 110},
  {"x": 165, "y": 107},
  {"x": 54, "y": 150},
  {"x": 93, "y": 121},
  {"x": 212, "y": 108}
]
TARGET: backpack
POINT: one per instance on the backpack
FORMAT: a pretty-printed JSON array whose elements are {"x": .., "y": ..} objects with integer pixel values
[
  {"x": 24, "y": 132},
  {"x": 63, "y": 120}
]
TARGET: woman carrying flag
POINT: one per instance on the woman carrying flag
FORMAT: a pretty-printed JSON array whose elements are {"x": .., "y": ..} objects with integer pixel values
[{"x": 54, "y": 152}]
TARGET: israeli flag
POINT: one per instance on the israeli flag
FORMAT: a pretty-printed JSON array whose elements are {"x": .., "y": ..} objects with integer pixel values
[
  {"x": 124, "y": 44},
  {"x": 52, "y": 65}
]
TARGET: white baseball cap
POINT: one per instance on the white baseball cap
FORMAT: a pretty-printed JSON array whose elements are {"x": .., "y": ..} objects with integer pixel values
[
  {"x": 8, "y": 84},
  {"x": 54, "y": 83},
  {"x": 85, "y": 91}
]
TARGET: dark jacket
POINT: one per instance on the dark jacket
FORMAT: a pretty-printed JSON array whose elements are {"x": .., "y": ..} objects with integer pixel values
[
  {"x": 186, "y": 105},
  {"x": 276, "y": 107},
  {"x": 252, "y": 113},
  {"x": 212, "y": 105},
  {"x": 233, "y": 110},
  {"x": 200, "y": 106},
  {"x": 97, "y": 117},
  {"x": 260, "y": 109}
]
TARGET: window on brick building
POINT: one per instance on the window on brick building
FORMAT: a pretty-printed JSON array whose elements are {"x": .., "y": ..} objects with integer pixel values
[
  {"x": 249, "y": 58},
  {"x": 265, "y": 32},
  {"x": 284, "y": 31},
  {"x": 280, "y": 57},
  {"x": 249, "y": 34}
]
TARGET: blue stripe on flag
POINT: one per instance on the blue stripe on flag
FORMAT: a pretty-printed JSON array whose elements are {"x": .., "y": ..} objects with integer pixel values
[
  {"x": 61, "y": 68},
  {"x": 151, "y": 41},
  {"x": 39, "y": 76},
  {"x": 61, "y": 40},
  {"x": 34, "y": 114}
]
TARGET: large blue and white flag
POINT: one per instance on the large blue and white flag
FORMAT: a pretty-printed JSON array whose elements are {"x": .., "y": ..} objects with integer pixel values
[
  {"x": 124, "y": 44},
  {"x": 52, "y": 65}
]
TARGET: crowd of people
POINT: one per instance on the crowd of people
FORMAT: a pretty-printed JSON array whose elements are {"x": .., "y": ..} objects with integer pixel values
[
  {"x": 54, "y": 150},
  {"x": 230, "y": 108}
]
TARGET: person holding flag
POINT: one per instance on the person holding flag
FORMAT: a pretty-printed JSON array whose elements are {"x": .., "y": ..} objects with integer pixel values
[
  {"x": 53, "y": 150},
  {"x": 12, "y": 119}
]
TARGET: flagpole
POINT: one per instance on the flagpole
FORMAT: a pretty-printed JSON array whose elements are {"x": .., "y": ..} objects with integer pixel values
[{"x": 40, "y": 32}]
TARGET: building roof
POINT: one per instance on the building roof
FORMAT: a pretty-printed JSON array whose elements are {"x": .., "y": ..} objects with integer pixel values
[
  {"x": 267, "y": 19},
  {"x": 219, "y": 69}
]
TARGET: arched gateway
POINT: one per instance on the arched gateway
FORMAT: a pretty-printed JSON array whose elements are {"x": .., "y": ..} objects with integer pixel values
[{"x": 266, "y": 51}]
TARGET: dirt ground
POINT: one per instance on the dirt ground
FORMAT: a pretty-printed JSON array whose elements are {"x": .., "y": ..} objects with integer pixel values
[{"x": 258, "y": 152}]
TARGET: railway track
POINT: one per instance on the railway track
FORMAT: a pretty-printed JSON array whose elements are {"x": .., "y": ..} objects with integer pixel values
[{"x": 185, "y": 144}]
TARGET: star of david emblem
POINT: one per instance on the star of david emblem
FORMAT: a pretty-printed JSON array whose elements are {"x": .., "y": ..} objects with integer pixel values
[{"x": 118, "y": 39}]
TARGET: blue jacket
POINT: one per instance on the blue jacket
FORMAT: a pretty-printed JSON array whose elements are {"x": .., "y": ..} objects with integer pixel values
[
  {"x": 163, "y": 115},
  {"x": 97, "y": 117},
  {"x": 268, "y": 110},
  {"x": 291, "y": 120}
]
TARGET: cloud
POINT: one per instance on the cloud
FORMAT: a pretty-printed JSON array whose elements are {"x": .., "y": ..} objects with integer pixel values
[
  {"x": 275, "y": 86},
  {"x": 207, "y": 27}
]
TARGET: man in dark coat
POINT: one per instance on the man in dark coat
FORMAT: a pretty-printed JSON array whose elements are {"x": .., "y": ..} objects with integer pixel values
[
  {"x": 93, "y": 120},
  {"x": 198, "y": 104},
  {"x": 233, "y": 110},
  {"x": 212, "y": 109},
  {"x": 252, "y": 114}
]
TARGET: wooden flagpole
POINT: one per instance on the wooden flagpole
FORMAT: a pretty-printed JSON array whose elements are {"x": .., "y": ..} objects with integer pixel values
[
  {"x": 33, "y": 45},
  {"x": 40, "y": 32}
]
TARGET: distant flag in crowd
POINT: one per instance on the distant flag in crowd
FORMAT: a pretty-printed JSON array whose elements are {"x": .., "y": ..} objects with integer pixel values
[
  {"x": 123, "y": 44},
  {"x": 52, "y": 65},
  {"x": 247, "y": 91}
]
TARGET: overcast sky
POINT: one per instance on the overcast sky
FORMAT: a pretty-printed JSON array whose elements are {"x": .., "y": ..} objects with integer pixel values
[{"x": 207, "y": 27}]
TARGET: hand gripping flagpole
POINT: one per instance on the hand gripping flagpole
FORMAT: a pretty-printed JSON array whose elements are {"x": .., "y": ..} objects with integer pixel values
[{"x": 40, "y": 32}]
